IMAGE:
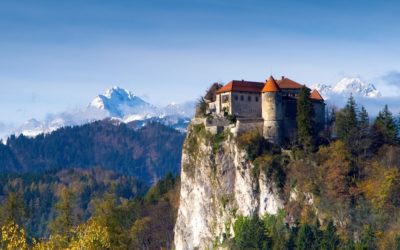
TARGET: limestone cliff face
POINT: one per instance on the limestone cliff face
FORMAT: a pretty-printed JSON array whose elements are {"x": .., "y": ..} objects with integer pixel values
[{"x": 218, "y": 184}]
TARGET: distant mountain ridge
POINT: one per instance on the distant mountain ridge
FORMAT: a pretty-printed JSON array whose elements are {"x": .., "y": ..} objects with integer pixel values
[
  {"x": 116, "y": 104},
  {"x": 347, "y": 86},
  {"x": 147, "y": 153}
]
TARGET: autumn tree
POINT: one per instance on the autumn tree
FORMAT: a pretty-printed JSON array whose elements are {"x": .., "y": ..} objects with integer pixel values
[{"x": 12, "y": 237}]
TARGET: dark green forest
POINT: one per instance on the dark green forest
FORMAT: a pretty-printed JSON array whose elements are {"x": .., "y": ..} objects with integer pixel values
[{"x": 147, "y": 153}]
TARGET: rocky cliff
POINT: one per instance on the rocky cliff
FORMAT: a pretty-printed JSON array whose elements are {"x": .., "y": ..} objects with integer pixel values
[{"x": 218, "y": 183}]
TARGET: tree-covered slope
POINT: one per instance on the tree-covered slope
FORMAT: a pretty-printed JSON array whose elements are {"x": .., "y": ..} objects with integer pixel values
[{"x": 147, "y": 153}]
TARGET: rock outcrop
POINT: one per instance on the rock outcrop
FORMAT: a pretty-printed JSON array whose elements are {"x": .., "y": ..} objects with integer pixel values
[{"x": 218, "y": 183}]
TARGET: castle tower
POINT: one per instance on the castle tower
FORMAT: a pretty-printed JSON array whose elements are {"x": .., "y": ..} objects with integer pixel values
[{"x": 272, "y": 111}]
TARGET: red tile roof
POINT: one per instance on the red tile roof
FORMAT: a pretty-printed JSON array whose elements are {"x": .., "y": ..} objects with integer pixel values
[
  {"x": 241, "y": 86},
  {"x": 315, "y": 95},
  {"x": 271, "y": 85},
  {"x": 286, "y": 83}
]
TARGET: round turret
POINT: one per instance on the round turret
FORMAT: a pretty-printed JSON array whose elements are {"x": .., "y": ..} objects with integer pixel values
[{"x": 272, "y": 111}]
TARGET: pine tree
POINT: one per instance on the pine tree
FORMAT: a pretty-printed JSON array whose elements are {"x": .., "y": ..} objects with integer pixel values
[
  {"x": 347, "y": 123},
  {"x": 385, "y": 129},
  {"x": 305, "y": 115},
  {"x": 13, "y": 209},
  {"x": 364, "y": 137},
  {"x": 306, "y": 238},
  {"x": 367, "y": 240},
  {"x": 330, "y": 240},
  {"x": 64, "y": 221}
]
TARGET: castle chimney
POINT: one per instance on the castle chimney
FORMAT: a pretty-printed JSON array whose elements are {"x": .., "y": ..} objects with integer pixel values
[{"x": 283, "y": 77}]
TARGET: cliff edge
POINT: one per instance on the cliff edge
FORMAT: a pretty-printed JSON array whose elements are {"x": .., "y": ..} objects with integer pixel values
[{"x": 218, "y": 184}]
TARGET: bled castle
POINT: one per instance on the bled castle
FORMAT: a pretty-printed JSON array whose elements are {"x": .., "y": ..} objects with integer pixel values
[{"x": 269, "y": 107}]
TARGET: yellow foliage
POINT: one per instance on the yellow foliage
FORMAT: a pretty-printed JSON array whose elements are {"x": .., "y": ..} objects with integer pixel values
[
  {"x": 13, "y": 237},
  {"x": 88, "y": 236},
  {"x": 378, "y": 186}
]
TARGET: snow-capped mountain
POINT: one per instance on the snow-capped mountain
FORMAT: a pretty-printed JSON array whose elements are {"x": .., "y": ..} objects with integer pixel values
[
  {"x": 347, "y": 86},
  {"x": 117, "y": 104}
]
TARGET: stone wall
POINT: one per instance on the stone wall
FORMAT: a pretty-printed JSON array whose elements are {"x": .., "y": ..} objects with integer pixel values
[
  {"x": 248, "y": 124},
  {"x": 246, "y": 104}
]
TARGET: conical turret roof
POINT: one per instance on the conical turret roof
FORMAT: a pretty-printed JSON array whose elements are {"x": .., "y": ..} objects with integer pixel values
[
  {"x": 315, "y": 95},
  {"x": 271, "y": 85}
]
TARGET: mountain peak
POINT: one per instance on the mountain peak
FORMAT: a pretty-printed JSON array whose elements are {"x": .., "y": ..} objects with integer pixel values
[
  {"x": 349, "y": 85},
  {"x": 119, "y": 102},
  {"x": 118, "y": 92}
]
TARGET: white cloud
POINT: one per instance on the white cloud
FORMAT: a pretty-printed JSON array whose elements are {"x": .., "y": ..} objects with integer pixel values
[{"x": 389, "y": 84}]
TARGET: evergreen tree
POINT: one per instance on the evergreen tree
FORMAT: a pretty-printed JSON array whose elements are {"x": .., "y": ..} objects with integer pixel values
[
  {"x": 367, "y": 240},
  {"x": 397, "y": 243},
  {"x": 364, "y": 138},
  {"x": 13, "y": 209},
  {"x": 347, "y": 123},
  {"x": 64, "y": 221},
  {"x": 305, "y": 115},
  {"x": 306, "y": 238},
  {"x": 330, "y": 240},
  {"x": 385, "y": 129},
  {"x": 249, "y": 234}
]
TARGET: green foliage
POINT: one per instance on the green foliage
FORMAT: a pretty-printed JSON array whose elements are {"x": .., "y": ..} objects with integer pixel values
[
  {"x": 161, "y": 188},
  {"x": 249, "y": 233},
  {"x": 256, "y": 145},
  {"x": 385, "y": 130},
  {"x": 277, "y": 230},
  {"x": 347, "y": 123},
  {"x": 330, "y": 240},
  {"x": 30, "y": 199},
  {"x": 304, "y": 118},
  {"x": 367, "y": 240},
  {"x": 119, "y": 223},
  {"x": 195, "y": 134},
  {"x": 64, "y": 221},
  {"x": 272, "y": 232},
  {"x": 13, "y": 209},
  {"x": 217, "y": 139},
  {"x": 148, "y": 152},
  {"x": 397, "y": 243}
]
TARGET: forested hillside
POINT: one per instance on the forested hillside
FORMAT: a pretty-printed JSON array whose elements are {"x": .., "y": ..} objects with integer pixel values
[
  {"x": 87, "y": 209},
  {"x": 148, "y": 153},
  {"x": 30, "y": 199},
  {"x": 341, "y": 188}
]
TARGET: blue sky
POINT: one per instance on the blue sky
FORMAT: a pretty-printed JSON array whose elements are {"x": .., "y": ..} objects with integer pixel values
[{"x": 57, "y": 55}]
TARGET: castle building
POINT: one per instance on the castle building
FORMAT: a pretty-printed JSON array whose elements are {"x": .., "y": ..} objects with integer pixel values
[{"x": 273, "y": 103}]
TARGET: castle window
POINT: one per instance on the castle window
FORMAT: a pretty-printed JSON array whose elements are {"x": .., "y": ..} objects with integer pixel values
[
  {"x": 236, "y": 97},
  {"x": 249, "y": 98},
  {"x": 225, "y": 98},
  {"x": 256, "y": 98},
  {"x": 241, "y": 98}
]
